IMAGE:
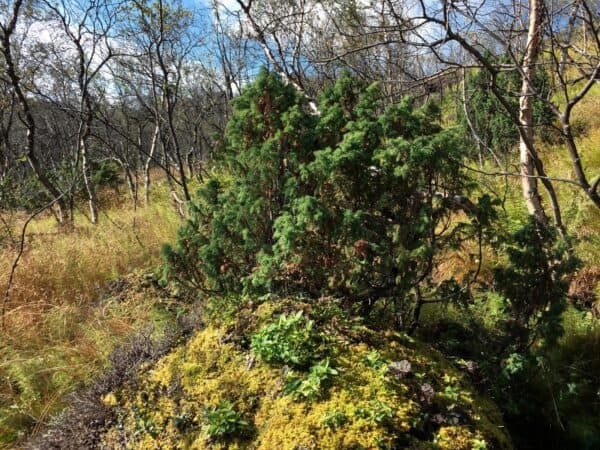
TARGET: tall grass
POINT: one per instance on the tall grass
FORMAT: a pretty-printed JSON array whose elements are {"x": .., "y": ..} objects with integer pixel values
[
  {"x": 59, "y": 331},
  {"x": 581, "y": 216}
]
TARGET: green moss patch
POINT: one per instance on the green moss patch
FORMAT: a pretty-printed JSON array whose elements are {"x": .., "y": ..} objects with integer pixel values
[{"x": 380, "y": 391}]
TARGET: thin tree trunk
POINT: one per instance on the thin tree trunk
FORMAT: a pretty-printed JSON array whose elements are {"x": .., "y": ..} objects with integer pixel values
[
  {"x": 131, "y": 185},
  {"x": 527, "y": 159},
  {"x": 148, "y": 162},
  {"x": 89, "y": 186},
  {"x": 27, "y": 116},
  {"x": 175, "y": 142}
]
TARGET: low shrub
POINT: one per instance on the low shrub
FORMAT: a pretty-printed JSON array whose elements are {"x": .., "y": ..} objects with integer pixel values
[
  {"x": 355, "y": 203},
  {"x": 291, "y": 340},
  {"x": 223, "y": 421},
  {"x": 311, "y": 386}
]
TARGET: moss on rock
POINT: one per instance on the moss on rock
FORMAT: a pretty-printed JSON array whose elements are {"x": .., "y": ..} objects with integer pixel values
[{"x": 391, "y": 392}]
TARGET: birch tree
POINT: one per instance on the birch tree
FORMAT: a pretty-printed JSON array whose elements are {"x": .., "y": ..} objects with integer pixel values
[{"x": 15, "y": 79}]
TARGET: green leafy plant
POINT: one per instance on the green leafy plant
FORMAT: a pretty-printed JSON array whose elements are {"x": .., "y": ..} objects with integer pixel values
[
  {"x": 479, "y": 444},
  {"x": 144, "y": 424},
  {"x": 451, "y": 392},
  {"x": 381, "y": 412},
  {"x": 311, "y": 386},
  {"x": 513, "y": 364},
  {"x": 374, "y": 359},
  {"x": 334, "y": 419},
  {"x": 377, "y": 412},
  {"x": 223, "y": 421},
  {"x": 291, "y": 340}
]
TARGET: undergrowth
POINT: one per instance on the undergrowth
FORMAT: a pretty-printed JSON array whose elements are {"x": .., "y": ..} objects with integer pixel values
[
  {"x": 233, "y": 382},
  {"x": 379, "y": 390},
  {"x": 59, "y": 331}
]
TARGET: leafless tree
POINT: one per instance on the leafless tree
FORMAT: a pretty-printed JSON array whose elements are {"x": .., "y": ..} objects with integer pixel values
[
  {"x": 452, "y": 35},
  {"x": 87, "y": 29},
  {"x": 12, "y": 75}
]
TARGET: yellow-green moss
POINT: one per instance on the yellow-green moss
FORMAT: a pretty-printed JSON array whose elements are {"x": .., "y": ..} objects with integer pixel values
[
  {"x": 210, "y": 369},
  {"x": 110, "y": 400}
]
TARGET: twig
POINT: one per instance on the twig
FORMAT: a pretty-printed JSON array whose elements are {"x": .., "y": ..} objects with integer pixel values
[
  {"x": 15, "y": 263},
  {"x": 520, "y": 175}
]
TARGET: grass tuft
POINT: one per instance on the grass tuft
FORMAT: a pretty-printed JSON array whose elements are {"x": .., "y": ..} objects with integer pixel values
[{"x": 60, "y": 326}]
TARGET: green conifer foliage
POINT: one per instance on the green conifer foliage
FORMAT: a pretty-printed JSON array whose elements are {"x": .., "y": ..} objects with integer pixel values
[
  {"x": 353, "y": 202},
  {"x": 534, "y": 284},
  {"x": 383, "y": 182},
  {"x": 269, "y": 135},
  {"x": 490, "y": 119}
]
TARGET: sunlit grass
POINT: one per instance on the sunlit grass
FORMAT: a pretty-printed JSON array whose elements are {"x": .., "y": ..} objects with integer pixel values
[
  {"x": 58, "y": 332},
  {"x": 581, "y": 216}
]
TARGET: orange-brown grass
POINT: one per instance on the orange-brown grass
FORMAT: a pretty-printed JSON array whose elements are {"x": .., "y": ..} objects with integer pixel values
[{"x": 58, "y": 330}]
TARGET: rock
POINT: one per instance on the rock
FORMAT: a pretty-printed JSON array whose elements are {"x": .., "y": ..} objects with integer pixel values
[
  {"x": 400, "y": 369},
  {"x": 427, "y": 393}
]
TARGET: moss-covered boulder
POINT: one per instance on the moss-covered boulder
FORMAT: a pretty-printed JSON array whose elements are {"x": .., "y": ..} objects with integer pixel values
[{"x": 361, "y": 390}]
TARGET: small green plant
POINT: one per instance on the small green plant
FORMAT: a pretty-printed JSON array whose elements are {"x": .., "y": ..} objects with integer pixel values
[
  {"x": 513, "y": 364},
  {"x": 291, "y": 340},
  {"x": 334, "y": 419},
  {"x": 144, "y": 424},
  {"x": 107, "y": 175},
  {"x": 362, "y": 413},
  {"x": 378, "y": 412},
  {"x": 381, "y": 412},
  {"x": 374, "y": 359},
  {"x": 223, "y": 421},
  {"x": 451, "y": 392},
  {"x": 312, "y": 386},
  {"x": 479, "y": 444}
]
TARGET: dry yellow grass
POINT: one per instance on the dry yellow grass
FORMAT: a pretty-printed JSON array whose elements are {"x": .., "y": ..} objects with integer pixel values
[
  {"x": 580, "y": 215},
  {"x": 58, "y": 332}
]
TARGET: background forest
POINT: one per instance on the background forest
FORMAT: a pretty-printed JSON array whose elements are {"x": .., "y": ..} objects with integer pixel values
[{"x": 375, "y": 223}]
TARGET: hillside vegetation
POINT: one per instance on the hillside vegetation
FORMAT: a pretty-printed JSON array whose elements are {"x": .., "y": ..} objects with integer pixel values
[
  {"x": 299, "y": 225},
  {"x": 60, "y": 324},
  {"x": 334, "y": 391},
  {"x": 278, "y": 328}
]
